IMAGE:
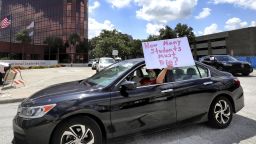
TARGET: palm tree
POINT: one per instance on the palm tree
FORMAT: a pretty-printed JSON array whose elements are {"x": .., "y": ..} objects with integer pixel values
[
  {"x": 184, "y": 30},
  {"x": 24, "y": 38},
  {"x": 49, "y": 42},
  {"x": 167, "y": 33},
  {"x": 54, "y": 44},
  {"x": 74, "y": 40}
]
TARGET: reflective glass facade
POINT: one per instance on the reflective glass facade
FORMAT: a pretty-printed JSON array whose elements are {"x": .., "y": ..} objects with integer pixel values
[{"x": 51, "y": 18}]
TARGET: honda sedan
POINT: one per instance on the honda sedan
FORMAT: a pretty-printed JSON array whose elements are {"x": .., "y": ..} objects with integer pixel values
[{"x": 115, "y": 102}]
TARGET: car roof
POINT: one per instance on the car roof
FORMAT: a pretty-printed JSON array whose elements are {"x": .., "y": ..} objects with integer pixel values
[
  {"x": 141, "y": 60},
  {"x": 106, "y": 58}
]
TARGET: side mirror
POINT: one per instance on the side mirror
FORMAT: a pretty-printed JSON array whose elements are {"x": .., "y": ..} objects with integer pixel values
[{"x": 128, "y": 85}]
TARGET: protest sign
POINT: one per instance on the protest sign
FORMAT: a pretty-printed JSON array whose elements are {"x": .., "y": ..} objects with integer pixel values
[{"x": 175, "y": 52}]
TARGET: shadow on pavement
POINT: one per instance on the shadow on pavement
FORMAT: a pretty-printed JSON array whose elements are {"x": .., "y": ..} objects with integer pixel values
[
  {"x": 242, "y": 129},
  {"x": 240, "y": 75},
  {"x": 8, "y": 87}
]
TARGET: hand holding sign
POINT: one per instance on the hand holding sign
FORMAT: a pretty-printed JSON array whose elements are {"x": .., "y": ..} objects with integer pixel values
[{"x": 161, "y": 54}]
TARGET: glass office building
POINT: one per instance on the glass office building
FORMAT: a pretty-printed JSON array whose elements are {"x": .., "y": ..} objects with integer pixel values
[{"x": 44, "y": 18}]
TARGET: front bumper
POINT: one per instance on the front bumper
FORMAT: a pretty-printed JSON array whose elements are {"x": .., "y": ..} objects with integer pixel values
[
  {"x": 238, "y": 97},
  {"x": 36, "y": 131},
  {"x": 238, "y": 70}
]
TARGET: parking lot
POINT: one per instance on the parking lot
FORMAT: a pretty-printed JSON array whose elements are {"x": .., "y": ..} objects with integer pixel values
[{"x": 242, "y": 129}]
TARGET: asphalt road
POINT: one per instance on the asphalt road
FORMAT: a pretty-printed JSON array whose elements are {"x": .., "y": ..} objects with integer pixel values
[{"x": 242, "y": 129}]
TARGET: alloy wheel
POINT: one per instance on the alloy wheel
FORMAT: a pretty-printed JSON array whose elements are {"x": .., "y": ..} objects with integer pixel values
[
  {"x": 77, "y": 134},
  {"x": 222, "y": 112}
]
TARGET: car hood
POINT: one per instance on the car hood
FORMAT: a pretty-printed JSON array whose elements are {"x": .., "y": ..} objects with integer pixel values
[
  {"x": 106, "y": 64},
  {"x": 62, "y": 89},
  {"x": 236, "y": 62}
]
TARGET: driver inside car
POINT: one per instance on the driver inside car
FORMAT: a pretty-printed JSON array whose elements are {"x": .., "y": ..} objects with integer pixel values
[{"x": 152, "y": 79}]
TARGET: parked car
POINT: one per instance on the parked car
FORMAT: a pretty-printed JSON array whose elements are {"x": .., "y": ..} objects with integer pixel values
[
  {"x": 118, "y": 59},
  {"x": 91, "y": 61},
  {"x": 111, "y": 103},
  {"x": 104, "y": 62},
  {"x": 228, "y": 63},
  {"x": 94, "y": 64}
]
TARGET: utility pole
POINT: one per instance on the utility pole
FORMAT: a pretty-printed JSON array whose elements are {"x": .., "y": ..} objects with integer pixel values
[{"x": 10, "y": 37}]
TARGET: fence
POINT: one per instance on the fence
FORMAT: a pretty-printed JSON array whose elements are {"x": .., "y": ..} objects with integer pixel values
[
  {"x": 27, "y": 63},
  {"x": 250, "y": 59}
]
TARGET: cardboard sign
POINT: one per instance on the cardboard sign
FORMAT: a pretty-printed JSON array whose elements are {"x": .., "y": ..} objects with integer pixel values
[{"x": 175, "y": 52}]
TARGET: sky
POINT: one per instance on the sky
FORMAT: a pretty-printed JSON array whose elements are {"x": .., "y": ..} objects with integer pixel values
[{"x": 141, "y": 18}]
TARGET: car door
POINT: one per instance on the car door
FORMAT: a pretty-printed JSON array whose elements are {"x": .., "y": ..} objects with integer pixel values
[
  {"x": 143, "y": 108},
  {"x": 194, "y": 91}
]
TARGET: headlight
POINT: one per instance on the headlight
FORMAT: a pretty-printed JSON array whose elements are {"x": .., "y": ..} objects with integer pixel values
[{"x": 35, "y": 112}]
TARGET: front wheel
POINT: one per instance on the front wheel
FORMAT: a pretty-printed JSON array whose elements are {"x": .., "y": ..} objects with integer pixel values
[
  {"x": 81, "y": 130},
  {"x": 220, "y": 113},
  {"x": 246, "y": 74}
]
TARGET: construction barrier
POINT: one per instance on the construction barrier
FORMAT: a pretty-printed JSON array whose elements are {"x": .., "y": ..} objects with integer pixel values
[{"x": 13, "y": 77}]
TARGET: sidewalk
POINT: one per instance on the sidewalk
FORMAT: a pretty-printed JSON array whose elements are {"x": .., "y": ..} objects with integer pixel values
[{"x": 38, "y": 79}]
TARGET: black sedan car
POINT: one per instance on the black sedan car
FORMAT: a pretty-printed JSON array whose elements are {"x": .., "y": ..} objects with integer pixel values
[
  {"x": 114, "y": 103},
  {"x": 228, "y": 63}
]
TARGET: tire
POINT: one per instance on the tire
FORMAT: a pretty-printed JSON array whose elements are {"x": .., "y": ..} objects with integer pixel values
[
  {"x": 220, "y": 116},
  {"x": 63, "y": 133},
  {"x": 246, "y": 74}
]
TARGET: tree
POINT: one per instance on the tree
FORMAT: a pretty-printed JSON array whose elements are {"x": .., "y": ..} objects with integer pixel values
[
  {"x": 107, "y": 41},
  {"x": 54, "y": 45},
  {"x": 183, "y": 30},
  {"x": 136, "y": 49},
  {"x": 167, "y": 33},
  {"x": 74, "y": 41},
  {"x": 24, "y": 38},
  {"x": 153, "y": 38}
]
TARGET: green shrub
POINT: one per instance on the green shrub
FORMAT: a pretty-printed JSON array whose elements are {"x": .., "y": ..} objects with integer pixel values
[{"x": 38, "y": 67}]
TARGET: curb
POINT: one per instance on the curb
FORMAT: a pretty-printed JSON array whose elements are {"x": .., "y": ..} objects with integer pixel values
[{"x": 11, "y": 100}]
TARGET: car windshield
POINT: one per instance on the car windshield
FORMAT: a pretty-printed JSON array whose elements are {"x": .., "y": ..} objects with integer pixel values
[
  {"x": 107, "y": 61},
  {"x": 110, "y": 74},
  {"x": 226, "y": 58}
]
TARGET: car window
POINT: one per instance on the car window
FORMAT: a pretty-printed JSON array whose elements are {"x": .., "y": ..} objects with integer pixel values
[
  {"x": 143, "y": 76},
  {"x": 203, "y": 71},
  {"x": 206, "y": 59},
  {"x": 226, "y": 58},
  {"x": 185, "y": 73},
  {"x": 110, "y": 74},
  {"x": 107, "y": 61}
]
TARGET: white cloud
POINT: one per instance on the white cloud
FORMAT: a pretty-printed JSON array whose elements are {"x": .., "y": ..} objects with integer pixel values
[
  {"x": 96, "y": 27},
  {"x": 95, "y": 5},
  {"x": 164, "y": 10},
  {"x": 235, "y": 23},
  {"x": 198, "y": 33},
  {"x": 213, "y": 28},
  {"x": 203, "y": 14},
  {"x": 119, "y": 3},
  {"x": 243, "y": 3},
  {"x": 153, "y": 29},
  {"x": 253, "y": 24}
]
